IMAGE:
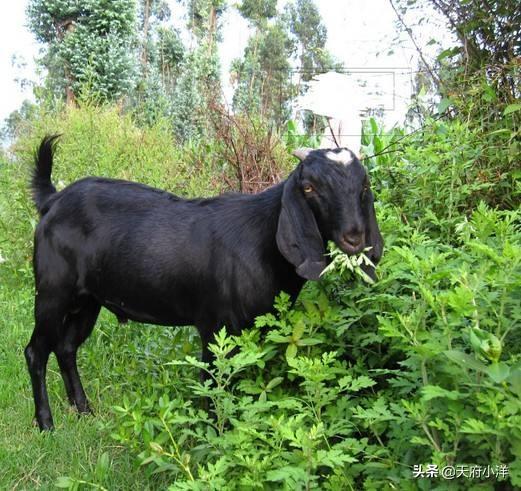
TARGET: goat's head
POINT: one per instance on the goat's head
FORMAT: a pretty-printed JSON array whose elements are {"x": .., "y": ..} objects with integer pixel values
[{"x": 327, "y": 197}]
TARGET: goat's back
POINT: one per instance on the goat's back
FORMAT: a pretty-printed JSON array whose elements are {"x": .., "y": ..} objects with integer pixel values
[{"x": 151, "y": 256}]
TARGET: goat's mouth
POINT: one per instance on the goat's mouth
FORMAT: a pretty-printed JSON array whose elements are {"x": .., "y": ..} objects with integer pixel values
[{"x": 351, "y": 244}]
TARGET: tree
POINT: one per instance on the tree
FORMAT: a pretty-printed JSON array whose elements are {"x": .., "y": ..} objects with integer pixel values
[
  {"x": 489, "y": 36},
  {"x": 476, "y": 74},
  {"x": 16, "y": 119},
  {"x": 310, "y": 38},
  {"x": 161, "y": 53},
  {"x": 488, "y": 45},
  {"x": 198, "y": 86},
  {"x": 89, "y": 43},
  {"x": 150, "y": 14},
  {"x": 195, "y": 91},
  {"x": 490, "y": 32},
  {"x": 279, "y": 41},
  {"x": 258, "y": 12},
  {"x": 263, "y": 75},
  {"x": 203, "y": 17}
]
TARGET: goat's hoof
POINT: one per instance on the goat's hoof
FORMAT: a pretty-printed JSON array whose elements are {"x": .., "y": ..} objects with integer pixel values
[
  {"x": 46, "y": 424},
  {"x": 84, "y": 410}
]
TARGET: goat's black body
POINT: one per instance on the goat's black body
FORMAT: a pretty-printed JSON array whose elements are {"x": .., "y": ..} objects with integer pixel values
[
  {"x": 149, "y": 256},
  {"x": 152, "y": 257}
]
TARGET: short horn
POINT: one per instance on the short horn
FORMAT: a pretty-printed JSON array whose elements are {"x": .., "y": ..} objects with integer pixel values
[{"x": 302, "y": 153}]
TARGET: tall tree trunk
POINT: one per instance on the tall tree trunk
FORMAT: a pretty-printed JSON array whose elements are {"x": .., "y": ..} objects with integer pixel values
[
  {"x": 146, "y": 23},
  {"x": 70, "y": 98},
  {"x": 212, "y": 27},
  {"x": 63, "y": 29}
]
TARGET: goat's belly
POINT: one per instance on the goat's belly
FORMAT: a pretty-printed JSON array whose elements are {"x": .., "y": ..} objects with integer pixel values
[
  {"x": 148, "y": 316},
  {"x": 145, "y": 304},
  {"x": 142, "y": 292}
]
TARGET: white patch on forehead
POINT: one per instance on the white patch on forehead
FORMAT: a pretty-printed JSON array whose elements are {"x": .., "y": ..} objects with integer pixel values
[{"x": 344, "y": 157}]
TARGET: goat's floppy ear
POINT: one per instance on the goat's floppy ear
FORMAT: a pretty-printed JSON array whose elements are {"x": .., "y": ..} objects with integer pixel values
[
  {"x": 373, "y": 238},
  {"x": 298, "y": 237}
]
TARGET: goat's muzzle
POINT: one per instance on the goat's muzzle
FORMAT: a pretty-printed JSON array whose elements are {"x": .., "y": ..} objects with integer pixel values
[{"x": 352, "y": 243}]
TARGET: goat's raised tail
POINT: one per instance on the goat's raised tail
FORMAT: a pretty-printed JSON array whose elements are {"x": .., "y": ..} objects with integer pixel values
[{"x": 41, "y": 186}]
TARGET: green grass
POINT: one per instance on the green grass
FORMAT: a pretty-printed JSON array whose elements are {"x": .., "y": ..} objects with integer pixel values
[
  {"x": 115, "y": 360},
  {"x": 80, "y": 447},
  {"x": 437, "y": 337}
]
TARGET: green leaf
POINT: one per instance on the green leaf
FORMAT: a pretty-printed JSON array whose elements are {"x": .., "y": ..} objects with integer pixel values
[
  {"x": 498, "y": 372},
  {"x": 476, "y": 426},
  {"x": 515, "y": 381},
  {"x": 465, "y": 360},
  {"x": 447, "y": 53},
  {"x": 156, "y": 447},
  {"x": 298, "y": 330},
  {"x": 274, "y": 382},
  {"x": 309, "y": 342},
  {"x": 511, "y": 108},
  {"x": 287, "y": 473},
  {"x": 361, "y": 383},
  {"x": 443, "y": 105},
  {"x": 433, "y": 391},
  {"x": 374, "y": 126},
  {"x": 64, "y": 482},
  {"x": 277, "y": 338},
  {"x": 291, "y": 351},
  {"x": 489, "y": 94}
]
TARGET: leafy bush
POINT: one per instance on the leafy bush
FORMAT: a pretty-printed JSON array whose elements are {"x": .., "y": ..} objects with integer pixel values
[
  {"x": 357, "y": 384},
  {"x": 440, "y": 173},
  {"x": 86, "y": 42}
]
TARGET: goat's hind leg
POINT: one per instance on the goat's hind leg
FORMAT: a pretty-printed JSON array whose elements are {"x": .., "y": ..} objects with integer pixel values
[
  {"x": 49, "y": 313},
  {"x": 36, "y": 355},
  {"x": 77, "y": 327}
]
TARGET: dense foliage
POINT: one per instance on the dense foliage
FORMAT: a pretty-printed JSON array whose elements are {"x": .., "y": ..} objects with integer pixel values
[
  {"x": 351, "y": 388},
  {"x": 130, "y": 52},
  {"x": 89, "y": 44},
  {"x": 359, "y": 385}
]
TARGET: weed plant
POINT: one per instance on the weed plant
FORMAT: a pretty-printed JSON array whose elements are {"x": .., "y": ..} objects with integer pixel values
[{"x": 351, "y": 388}]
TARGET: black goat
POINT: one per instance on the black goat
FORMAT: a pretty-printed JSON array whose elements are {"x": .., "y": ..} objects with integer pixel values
[{"x": 150, "y": 256}]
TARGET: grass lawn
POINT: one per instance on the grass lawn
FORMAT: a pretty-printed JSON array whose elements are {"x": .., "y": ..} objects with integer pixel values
[
  {"x": 80, "y": 448},
  {"x": 115, "y": 361}
]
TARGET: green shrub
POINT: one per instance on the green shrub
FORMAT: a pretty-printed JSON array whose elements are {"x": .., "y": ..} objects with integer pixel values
[
  {"x": 440, "y": 173},
  {"x": 357, "y": 384},
  {"x": 100, "y": 141}
]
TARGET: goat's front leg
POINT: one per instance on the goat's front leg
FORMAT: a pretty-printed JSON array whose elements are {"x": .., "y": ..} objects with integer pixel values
[
  {"x": 207, "y": 336},
  {"x": 206, "y": 333}
]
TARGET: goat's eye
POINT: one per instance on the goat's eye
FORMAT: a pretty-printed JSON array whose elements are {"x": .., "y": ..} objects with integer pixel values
[{"x": 308, "y": 188}]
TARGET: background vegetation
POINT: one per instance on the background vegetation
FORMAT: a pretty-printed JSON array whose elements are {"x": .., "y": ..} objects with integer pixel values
[{"x": 357, "y": 383}]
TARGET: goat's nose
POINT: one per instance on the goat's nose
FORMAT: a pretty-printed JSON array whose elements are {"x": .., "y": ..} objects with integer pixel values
[
  {"x": 354, "y": 240},
  {"x": 352, "y": 243}
]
